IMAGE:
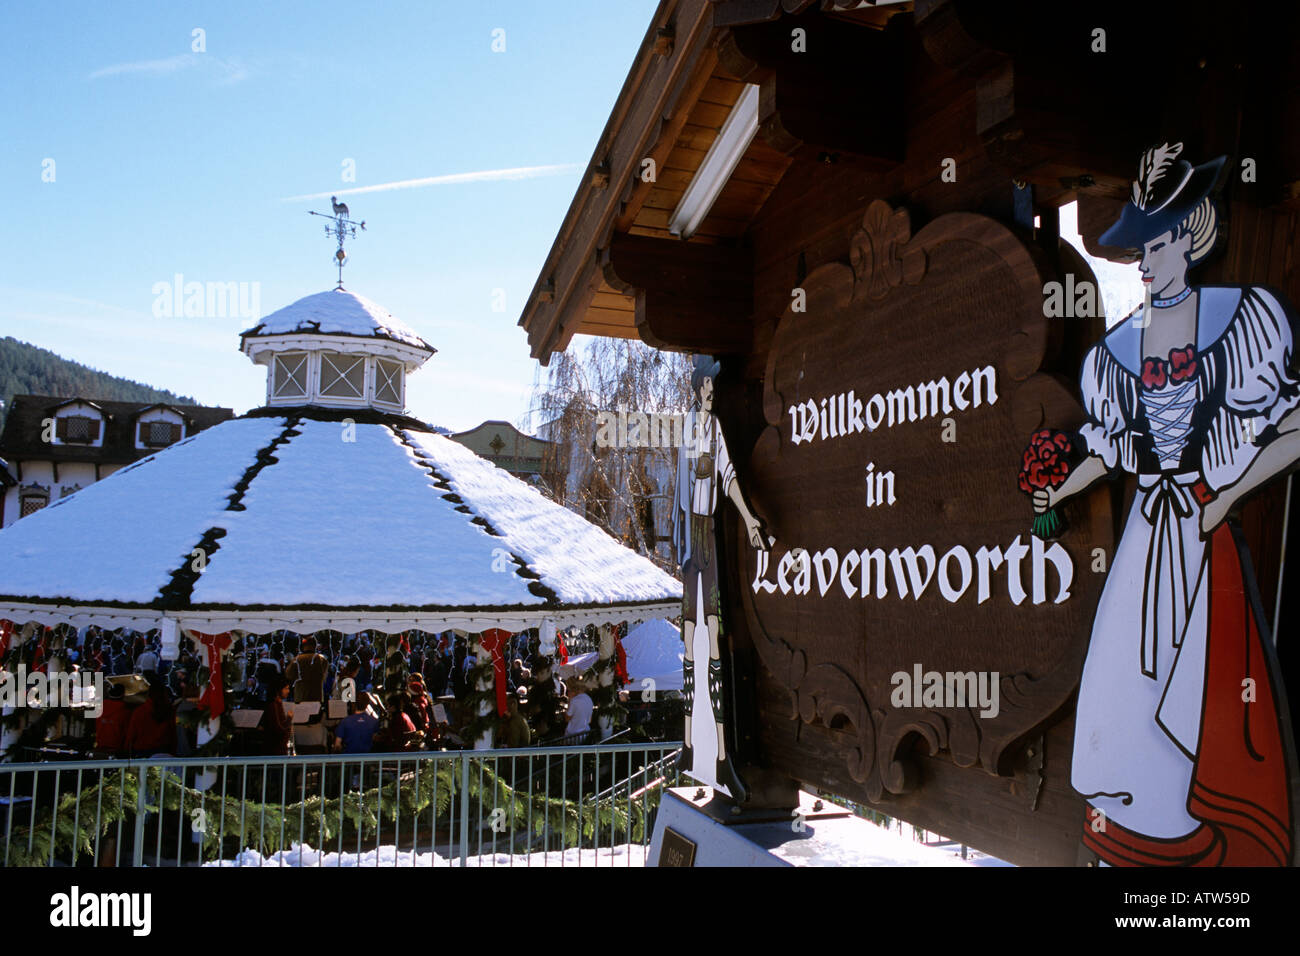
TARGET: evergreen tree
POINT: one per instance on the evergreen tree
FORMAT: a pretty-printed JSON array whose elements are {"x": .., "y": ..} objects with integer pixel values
[{"x": 26, "y": 369}]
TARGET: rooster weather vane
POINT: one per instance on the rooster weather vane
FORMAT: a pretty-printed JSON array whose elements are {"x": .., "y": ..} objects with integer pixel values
[{"x": 342, "y": 228}]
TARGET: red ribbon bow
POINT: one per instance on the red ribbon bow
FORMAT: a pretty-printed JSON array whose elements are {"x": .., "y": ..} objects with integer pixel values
[
  {"x": 1153, "y": 373},
  {"x": 214, "y": 695},
  {"x": 1182, "y": 364},
  {"x": 493, "y": 641}
]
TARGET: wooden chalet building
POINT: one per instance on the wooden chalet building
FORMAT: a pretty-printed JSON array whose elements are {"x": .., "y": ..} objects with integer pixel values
[
  {"x": 56, "y": 446},
  {"x": 834, "y": 193}
]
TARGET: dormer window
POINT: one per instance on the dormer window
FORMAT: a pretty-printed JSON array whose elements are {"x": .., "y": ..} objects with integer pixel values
[
  {"x": 388, "y": 382},
  {"x": 159, "y": 434},
  {"x": 77, "y": 429},
  {"x": 342, "y": 376},
  {"x": 289, "y": 378}
]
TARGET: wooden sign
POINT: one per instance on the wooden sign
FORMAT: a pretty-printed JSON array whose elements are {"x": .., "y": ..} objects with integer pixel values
[
  {"x": 946, "y": 575},
  {"x": 907, "y": 596}
]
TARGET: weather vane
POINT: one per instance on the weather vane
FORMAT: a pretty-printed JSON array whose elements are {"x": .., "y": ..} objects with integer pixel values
[{"x": 342, "y": 228}]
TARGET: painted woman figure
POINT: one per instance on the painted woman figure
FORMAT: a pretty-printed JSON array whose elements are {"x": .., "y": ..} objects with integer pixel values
[
  {"x": 1182, "y": 744},
  {"x": 703, "y": 469}
]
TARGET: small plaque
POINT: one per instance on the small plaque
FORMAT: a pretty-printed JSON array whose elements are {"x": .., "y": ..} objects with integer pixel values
[{"x": 676, "y": 850}]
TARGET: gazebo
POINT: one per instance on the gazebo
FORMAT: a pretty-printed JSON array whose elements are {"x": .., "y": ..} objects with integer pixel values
[{"x": 329, "y": 508}]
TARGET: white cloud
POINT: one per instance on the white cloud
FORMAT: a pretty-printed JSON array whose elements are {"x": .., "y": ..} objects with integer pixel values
[
  {"x": 227, "y": 71},
  {"x": 479, "y": 176}
]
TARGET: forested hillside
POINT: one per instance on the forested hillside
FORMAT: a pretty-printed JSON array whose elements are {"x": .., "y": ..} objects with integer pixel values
[{"x": 28, "y": 370}]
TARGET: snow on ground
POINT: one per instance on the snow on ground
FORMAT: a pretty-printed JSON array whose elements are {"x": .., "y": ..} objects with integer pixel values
[
  {"x": 341, "y": 523},
  {"x": 879, "y": 847},
  {"x": 337, "y": 312},
  {"x": 120, "y": 539},
  {"x": 631, "y": 855},
  {"x": 578, "y": 561}
]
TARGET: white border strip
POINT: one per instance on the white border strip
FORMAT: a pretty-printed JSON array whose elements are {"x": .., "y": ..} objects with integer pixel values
[{"x": 306, "y": 622}]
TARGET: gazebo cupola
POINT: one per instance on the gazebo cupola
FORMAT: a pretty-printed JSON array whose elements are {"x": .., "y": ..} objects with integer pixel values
[{"x": 336, "y": 349}]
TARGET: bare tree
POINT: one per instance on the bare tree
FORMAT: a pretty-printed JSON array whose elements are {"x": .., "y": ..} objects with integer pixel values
[{"x": 615, "y": 472}]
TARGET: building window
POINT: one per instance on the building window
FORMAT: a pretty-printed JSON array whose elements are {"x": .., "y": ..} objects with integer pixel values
[
  {"x": 68, "y": 490},
  {"x": 290, "y": 378},
  {"x": 77, "y": 428},
  {"x": 388, "y": 382},
  {"x": 32, "y": 499},
  {"x": 342, "y": 376},
  {"x": 159, "y": 434}
]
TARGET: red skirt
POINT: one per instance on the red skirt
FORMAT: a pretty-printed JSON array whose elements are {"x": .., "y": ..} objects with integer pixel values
[{"x": 1240, "y": 783}]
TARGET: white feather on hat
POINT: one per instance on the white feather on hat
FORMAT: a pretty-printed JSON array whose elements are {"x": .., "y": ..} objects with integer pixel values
[{"x": 1155, "y": 163}]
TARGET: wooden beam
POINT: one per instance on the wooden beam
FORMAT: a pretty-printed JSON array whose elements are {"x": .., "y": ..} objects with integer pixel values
[
  {"x": 689, "y": 296},
  {"x": 671, "y": 129},
  {"x": 814, "y": 100},
  {"x": 649, "y": 93}
]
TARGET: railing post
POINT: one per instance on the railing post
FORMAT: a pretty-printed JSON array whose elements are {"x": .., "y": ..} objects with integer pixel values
[
  {"x": 464, "y": 810},
  {"x": 137, "y": 843}
]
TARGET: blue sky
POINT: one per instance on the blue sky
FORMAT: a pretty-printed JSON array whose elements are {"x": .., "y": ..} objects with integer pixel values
[{"x": 169, "y": 161}]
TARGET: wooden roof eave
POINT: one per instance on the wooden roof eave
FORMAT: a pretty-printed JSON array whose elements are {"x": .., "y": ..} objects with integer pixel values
[{"x": 653, "y": 93}]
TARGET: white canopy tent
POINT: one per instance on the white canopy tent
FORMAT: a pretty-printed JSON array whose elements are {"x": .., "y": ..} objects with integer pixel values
[{"x": 654, "y": 651}]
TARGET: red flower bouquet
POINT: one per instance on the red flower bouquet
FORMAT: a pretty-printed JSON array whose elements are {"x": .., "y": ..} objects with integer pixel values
[{"x": 1046, "y": 465}]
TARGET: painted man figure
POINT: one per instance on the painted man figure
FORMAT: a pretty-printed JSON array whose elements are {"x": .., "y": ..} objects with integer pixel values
[{"x": 704, "y": 468}]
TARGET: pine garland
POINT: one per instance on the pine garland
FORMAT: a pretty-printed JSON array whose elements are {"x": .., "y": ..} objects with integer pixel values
[{"x": 316, "y": 821}]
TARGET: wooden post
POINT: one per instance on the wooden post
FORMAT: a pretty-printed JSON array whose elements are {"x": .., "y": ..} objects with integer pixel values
[
  {"x": 485, "y": 685},
  {"x": 605, "y": 679}
]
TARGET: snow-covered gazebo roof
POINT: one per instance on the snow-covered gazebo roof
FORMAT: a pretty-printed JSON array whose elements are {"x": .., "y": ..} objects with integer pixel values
[{"x": 337, "y": 512}]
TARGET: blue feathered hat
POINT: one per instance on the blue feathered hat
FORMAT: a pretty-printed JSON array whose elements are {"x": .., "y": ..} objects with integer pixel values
[{"x": 1167, "y": 191}]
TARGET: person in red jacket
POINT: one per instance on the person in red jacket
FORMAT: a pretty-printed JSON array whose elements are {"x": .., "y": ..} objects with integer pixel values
[
  {"x": 277, "y": 721},
  {"x": 419, "y": 708},
  {"x": 111, "y": 724},
  {"x": 152, "y": 727}
]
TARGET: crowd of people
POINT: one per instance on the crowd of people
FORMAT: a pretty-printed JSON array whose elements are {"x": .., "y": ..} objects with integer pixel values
[{"x": 152, "y": 705}]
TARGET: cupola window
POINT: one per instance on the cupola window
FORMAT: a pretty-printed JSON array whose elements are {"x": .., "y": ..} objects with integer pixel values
[
  {"x": 342, "y": 376},
  {"x": 388, "y": 382},
  {"x": 290, "y": 375}
]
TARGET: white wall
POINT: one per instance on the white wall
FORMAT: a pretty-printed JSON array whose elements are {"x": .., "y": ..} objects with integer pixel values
[{"x": 71, "y": 475}]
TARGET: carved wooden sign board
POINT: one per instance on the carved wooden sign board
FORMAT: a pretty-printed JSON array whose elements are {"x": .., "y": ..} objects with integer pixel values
[{"x": 906, "y": 605}]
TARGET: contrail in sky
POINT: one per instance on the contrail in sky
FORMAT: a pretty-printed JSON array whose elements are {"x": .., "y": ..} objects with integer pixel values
[{"x": 480, "y": 176}]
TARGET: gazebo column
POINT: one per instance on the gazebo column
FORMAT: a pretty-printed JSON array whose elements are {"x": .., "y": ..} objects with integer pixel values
[
  {"x": 486, "y": 686},
  {"x": 605, "y": 680},
  {"x": 54, "y": 666},
  {"x": 206, "y": 730}
]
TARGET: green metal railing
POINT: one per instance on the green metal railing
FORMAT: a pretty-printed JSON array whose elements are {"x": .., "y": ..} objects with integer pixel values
[{"x": 540, "y": 806}]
